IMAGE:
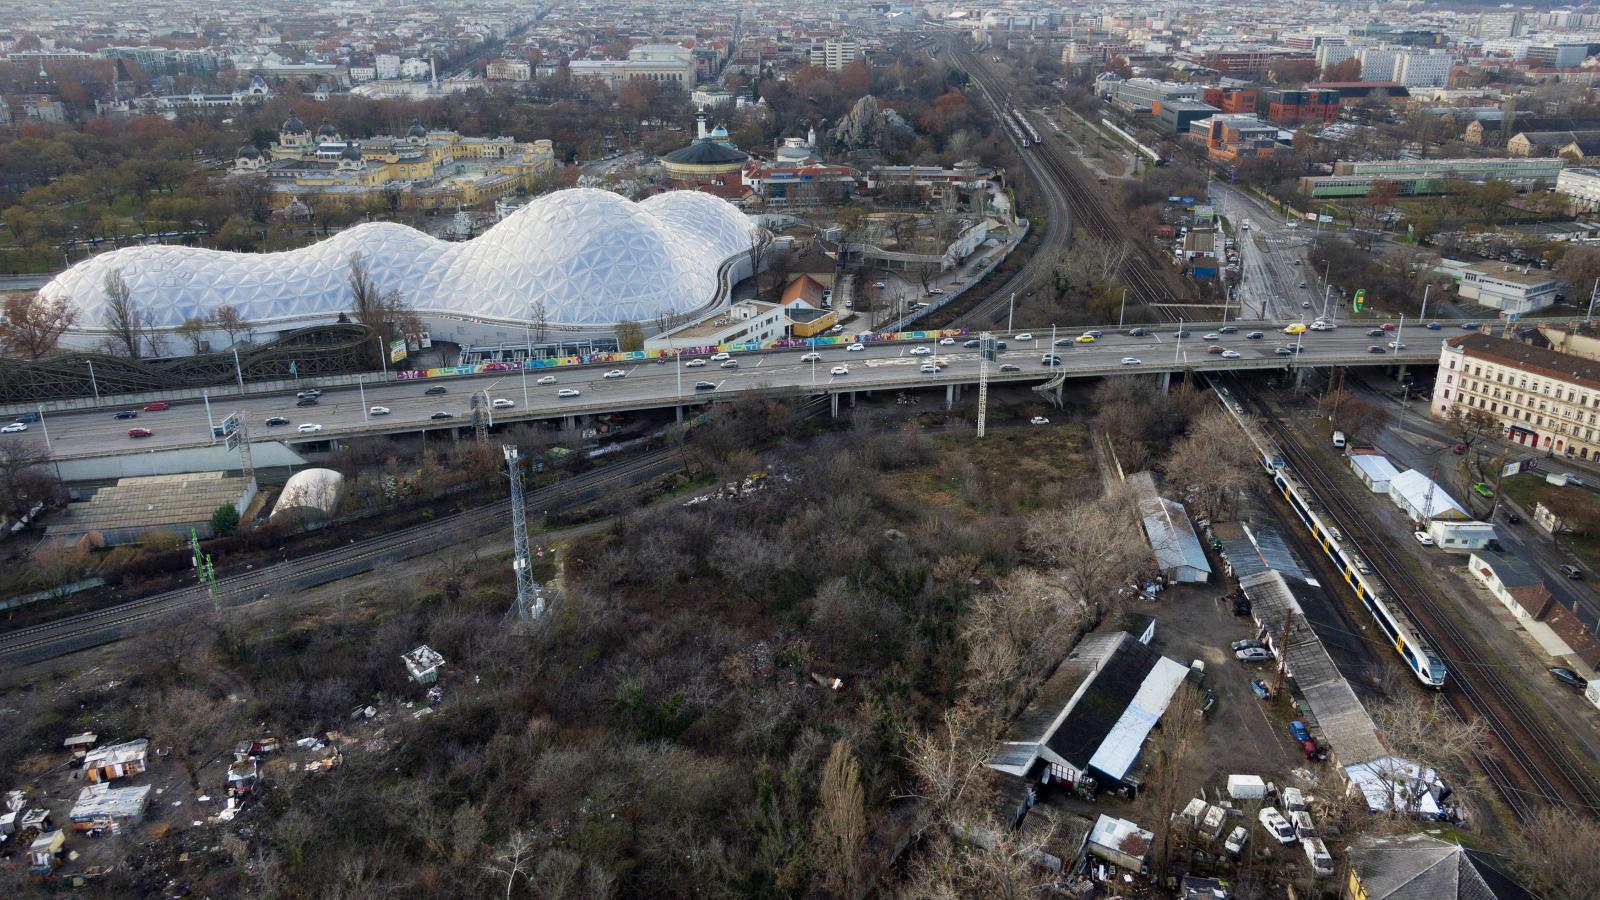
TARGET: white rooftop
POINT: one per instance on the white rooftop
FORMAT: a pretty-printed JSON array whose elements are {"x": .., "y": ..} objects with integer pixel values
[
  {"x": 1375, "y": 467},
  {"x": 1425, "y": 496},
  {"x": 1122, "y": 743}
]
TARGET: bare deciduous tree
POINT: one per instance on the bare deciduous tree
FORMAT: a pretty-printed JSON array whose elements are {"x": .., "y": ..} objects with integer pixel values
[
  {"x": 512, "y": 860},
  {"x": 193, "y": 330},
  {"x": 1168, "y": 753},
  {"x": 26, "y": 479},
  {"x": 1094, "y": 546},
  {"x": 840, "y": 827},
  {"x": 124, "y": 318},
  {"x": 1558, "y": 851},
  {"x": 760, "y": 250},
  {"x": 231, "y": 322},
  {"x": 31, "y": 325},
  {"x": 539, "y": 317},
  {"x": 385, "y": 312},
  {"x": 1210, "y": 464},
  {"x": 1444, "y": 748}
]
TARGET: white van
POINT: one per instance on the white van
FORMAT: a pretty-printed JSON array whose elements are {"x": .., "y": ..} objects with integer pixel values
[
  {"x": 1317, "y": 853},
  {"x": 1338, "y": 439}
]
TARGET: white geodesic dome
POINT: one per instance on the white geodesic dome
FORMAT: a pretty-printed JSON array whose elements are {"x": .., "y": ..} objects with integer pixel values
[
  {"x": 593, "y": 257},
  {"x": 309, "y": 492}
]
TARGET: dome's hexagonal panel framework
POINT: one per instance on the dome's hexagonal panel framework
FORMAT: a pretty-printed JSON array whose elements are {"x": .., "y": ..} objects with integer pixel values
[{"x": 594, "y": 258}]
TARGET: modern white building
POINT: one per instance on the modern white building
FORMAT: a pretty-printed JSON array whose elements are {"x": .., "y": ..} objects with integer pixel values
[
  {"x": 1581, "y": 185},
  {"x": 386, "y": 65},
  {"x": 1423, "y": 68},
  {"x": 834, "y": 54},
  {"x": 1378, "y": 63},
  {"x": 1422, "y": 499},
  {"x": 1460, "y": 535},
  {"x": 589, "y": 258},
  {"x": 1508, "y": 288}
]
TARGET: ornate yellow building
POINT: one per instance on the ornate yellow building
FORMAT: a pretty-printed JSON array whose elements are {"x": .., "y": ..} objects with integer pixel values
[{"x": 431, "y": 169}]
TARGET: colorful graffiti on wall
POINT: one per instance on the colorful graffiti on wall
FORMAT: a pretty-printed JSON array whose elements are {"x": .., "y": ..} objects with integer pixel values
[{"x": 626, "y": 356}]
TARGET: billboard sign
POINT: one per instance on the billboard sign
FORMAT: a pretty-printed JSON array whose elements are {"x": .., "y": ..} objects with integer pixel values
[
  {"x": 230, "y": 424},
  {"x": 397, "y": 350},
  {"x": 233, "y": 440}
]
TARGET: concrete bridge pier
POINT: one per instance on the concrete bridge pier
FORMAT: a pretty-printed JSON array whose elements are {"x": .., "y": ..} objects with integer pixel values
[
  {"x": 569, "y": 422},
  {"x": 949, "y": 397},
  {"x": 852, "y": 399},
  {"x": 1300, "y": 377},
  {"x": 1166, "y": 382},
  {"x": 1061, "y": 391},
  {"x": 833, "y": 405},
  {"x": 1400, "y": 374},
  {"x": 678, "y": 412}
]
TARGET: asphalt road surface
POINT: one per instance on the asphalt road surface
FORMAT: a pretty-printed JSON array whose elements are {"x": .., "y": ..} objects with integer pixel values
[
  {"x": 1271, "y": 258},
  {"x": 346, "y": 410}
]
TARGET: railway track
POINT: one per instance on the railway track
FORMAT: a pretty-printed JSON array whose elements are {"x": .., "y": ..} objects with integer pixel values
[
  {"x": 992, "y": 309},
  {"x": 103, "y": 626},
  {"x": 1065, "y": 178},
  {"x": 1547, "y": 770}
]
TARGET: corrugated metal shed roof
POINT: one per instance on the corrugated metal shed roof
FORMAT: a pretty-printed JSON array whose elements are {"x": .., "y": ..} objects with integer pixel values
[
  {"x": 1122, "y": 744},
  {"x": 1415, "y": 487},
  {"x": 1417, "y": 867},
  {"x": 1338, "y": 713},
  {"x": 104, "y": 801},
  {"x": 1167, "y": 526},
  {"x": 1377, "y": 468}
]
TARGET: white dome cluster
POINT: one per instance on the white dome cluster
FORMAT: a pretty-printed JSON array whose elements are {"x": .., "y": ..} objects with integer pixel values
[{"x": 593, "y": 257}]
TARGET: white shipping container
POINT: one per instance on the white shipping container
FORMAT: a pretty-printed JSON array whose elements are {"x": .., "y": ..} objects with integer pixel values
[
  {"x": 1246, "y": 787},
  {"x": 1593, "y": 692}
]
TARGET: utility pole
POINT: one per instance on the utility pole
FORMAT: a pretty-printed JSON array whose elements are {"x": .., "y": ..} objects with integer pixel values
[
  {"x": 530, "y": 597},
  {"x": 205, "y": 571},
  {"x": 1011, "y": 309},
  {"x": 985, "y": 348},
  {"x": 1283, "y": 652}
]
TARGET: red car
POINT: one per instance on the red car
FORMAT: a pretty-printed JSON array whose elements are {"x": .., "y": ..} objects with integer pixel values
[
  {"x": 1387, "y": 326},
  {"x": 157, "y": 406},
  {"x": 139, "y": 432}
]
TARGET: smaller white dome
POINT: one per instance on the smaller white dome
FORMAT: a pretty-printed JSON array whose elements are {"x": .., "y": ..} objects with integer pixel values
[{"x": 310, "y": 493}]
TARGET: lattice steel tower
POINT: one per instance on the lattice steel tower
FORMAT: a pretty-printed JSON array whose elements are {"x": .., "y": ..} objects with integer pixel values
[{"x": 530, "y": 596}]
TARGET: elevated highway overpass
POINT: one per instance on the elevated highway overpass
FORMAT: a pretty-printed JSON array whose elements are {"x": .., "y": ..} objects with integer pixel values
[{"x": 343, "y": 412}]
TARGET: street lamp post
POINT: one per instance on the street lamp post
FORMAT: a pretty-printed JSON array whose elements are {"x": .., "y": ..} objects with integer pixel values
[
  {"x": 46, "y": 429},
  {"x": 1123, "y": 308},
  {"x": 94, "y": 385},
  {"x": 362, "y": 387},
  {"x": 206, "y": 397},
  {"x": 1425, "y": 289},
  {"x": 1593, "y": 293}
]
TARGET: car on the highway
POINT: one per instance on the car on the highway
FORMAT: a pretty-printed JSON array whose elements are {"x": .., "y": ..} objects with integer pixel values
[
  {"x": 1131, "y": 361},
  {"x": 1469, "y": 326},
  {"x": 1254, "y": 336},
  {"x": 719, "y": 357},
  {"x": 275, "y": 421},
  {"x": 856, "y": 348},
  {"x": 157, "y": 406},
  {"x": 378, "y": 411},
  {"x": 1572, "y": 572},
  {"x": 1398, "y": 345},
  {"x": 1228, "y": 329},
  {"x": 1567, "y": 676},
  {"x": 127, "y": 414},
  {"x": 705, "y": 385},
  {"x": 970, "y": 345},
  {"x": 839, "y": 370},
  {"x": 1084, "y": 339},
  {"x": 310, "y": 392},
  {"x": 947, "y": 341},
  {"x": 1376, "y": 332},
  {"x": 139, "y": 432},
  {"x": 1230, "y": 354},
  {"x": 1283, "y": 351},
  {"x": 1215, "y": 349},
  {"x": 27, "y": 418},
  {"x": 1095, "y": 333},
  {"x": 1295, "y": 328},
  {"x": 441, "y": 414},
  {"x": 502, "y": 403},
  {"x": 1049, "y": 359},
  {"x": 548, "y": 379},
  {"x": 308, "y": 428},
  {"x": 1211, "y": 336},
  {"x": 435, "y": 391},
  {"x": 1063, "y": 342},
  {"x": 1374, "y": 348},
  {"x": 1180, "y": 333},
  {"x": 1009, "y": 367},
  {"x": 1025, "y": 336},
  {"x": 1422, "y": 538},
  {"x": 1252, "y": 654},
  {"x": 14, "y": 427},
  {"x": 1038, "y": 420},
  {"x": 1433, "y": 326},
  {"x": 921, "y": 351},
  {"x": 691, "y": 364},
  {"x": 616, "y": 373},
  {"x": 1138, "y": 332},
  {"x": 728, "y": 364},
  {"x": 813, "y": 356},
  {"x": 1387, "y": 326},
  {"x": 928, "y": 369},
  {"x": 306, "y": 401},
  {"x": 567, "y": 392}
]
